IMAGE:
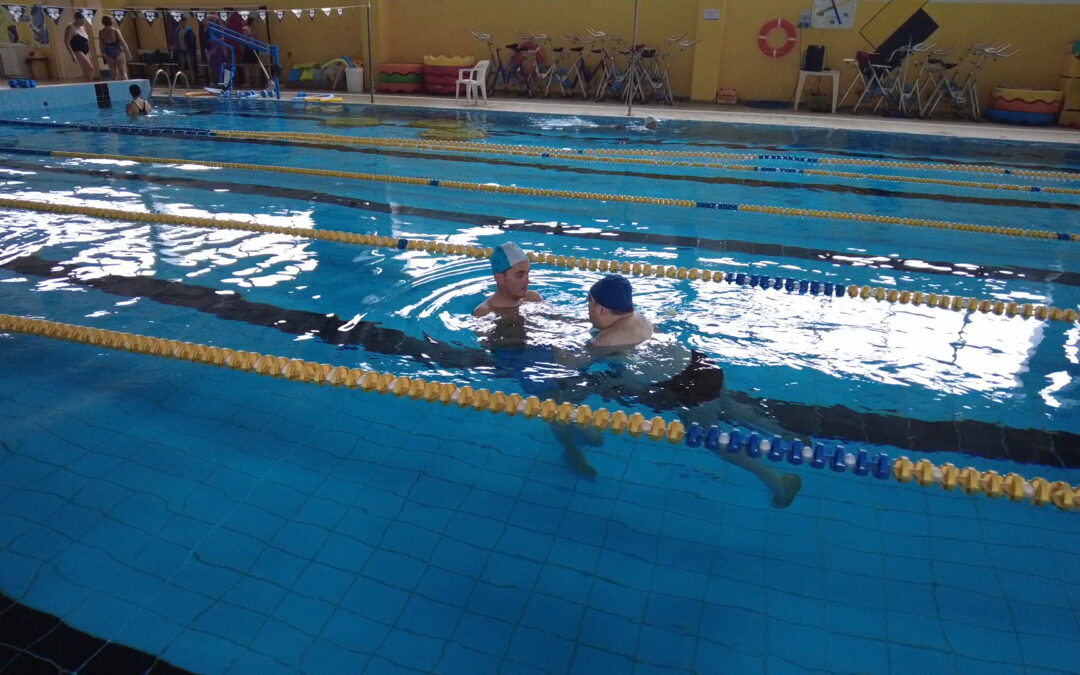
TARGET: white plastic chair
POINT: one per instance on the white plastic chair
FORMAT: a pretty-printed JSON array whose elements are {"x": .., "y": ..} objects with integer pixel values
[{"x": 473, "y": 79}]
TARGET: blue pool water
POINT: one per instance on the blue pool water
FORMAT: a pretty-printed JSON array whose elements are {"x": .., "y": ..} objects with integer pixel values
[{"x": 221, "y": 521}]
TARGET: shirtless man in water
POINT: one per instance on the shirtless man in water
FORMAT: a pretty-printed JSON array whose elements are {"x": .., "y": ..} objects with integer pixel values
[
  {"x": 510, "y": 267},
  {"x": 667, "y": 365},
  {"x": 646, "y": 368}
]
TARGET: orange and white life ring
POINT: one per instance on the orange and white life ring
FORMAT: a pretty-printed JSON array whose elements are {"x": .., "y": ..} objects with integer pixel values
[{"x": 785, "y": 47}]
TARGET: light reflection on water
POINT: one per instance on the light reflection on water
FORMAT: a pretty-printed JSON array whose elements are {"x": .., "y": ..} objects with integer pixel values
[
  {"x": 849, "y": 340},
  {"x": 807, "y": 349}
]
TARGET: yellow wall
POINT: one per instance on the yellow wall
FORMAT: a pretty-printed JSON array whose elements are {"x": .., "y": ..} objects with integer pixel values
[
  {"x": 413, "y": 28},
  {"x": 728, "y": 57},
  {"x": 1044, "y": 32}
]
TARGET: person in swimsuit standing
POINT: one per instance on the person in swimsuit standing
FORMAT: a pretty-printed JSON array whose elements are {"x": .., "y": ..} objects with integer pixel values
[
  {"x": 114, "y": 49},
  {"x": 137, "y": 106},
  {"x": 187, "y": 48},
  {"x": 78, "y": 44},
  {"x": 250, "y": 57}
]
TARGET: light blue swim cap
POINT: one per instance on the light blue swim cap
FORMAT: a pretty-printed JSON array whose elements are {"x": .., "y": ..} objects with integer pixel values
[{"x": 506, "y": 256}]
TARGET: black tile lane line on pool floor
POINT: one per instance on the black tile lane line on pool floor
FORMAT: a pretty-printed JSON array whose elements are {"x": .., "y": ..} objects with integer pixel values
[
  {"x": 32, "y": 642},
  {"x": 847, "y": 258},
  {"x": 991, "y": 441}
]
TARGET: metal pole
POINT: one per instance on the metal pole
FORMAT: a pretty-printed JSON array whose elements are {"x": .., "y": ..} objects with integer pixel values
[
  {"x": 370, "y": 64},
  {"x": 633, "y": 59}
]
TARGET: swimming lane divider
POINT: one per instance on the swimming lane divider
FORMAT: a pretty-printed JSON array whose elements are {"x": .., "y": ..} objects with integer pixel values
[
  {"x": 472, "y": 146},
  {"x": 636, "y": 268},
  {"x": 573, "y": 194},
  {"x": 606, "y": 156},
  {"x": 816, "y": 455},
  {"x": 496, "y": 148}
]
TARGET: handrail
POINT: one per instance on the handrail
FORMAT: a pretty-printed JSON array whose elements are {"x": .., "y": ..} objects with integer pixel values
[
  {"x": 153, "y": 83},
  {"x": 176, "y": 78}
]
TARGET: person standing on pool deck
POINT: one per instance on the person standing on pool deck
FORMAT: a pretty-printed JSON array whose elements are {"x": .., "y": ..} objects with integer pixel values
[
  {"x": 77, "y": 42},
  {"x": 114, "y": 49},
  {"x": 186, "y": 48},
  {"x": 510, "y": 267}
]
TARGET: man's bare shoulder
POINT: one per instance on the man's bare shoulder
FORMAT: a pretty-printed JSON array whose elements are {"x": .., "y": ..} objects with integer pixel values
[
  {"x": 634, "y": 332},
  {"x": 483, "y": 309}
]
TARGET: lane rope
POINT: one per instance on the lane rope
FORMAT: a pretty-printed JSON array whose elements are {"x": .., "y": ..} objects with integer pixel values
[
  {"x": 955, "y": 303},
  {"x": 599, "y": 156},
  {"x": 817, "y": 455},
  {"x": 572, "y": 194},
  {"x": 472, "y": 146}
]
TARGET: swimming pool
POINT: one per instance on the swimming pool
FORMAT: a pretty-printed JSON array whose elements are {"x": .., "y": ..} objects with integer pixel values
[{"x": 220, "y": 520}]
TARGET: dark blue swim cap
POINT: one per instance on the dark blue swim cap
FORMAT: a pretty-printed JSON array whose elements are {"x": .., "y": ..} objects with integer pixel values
[{"x": 614, "y": 293}]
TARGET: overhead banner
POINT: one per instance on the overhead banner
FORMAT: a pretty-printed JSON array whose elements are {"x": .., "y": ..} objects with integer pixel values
[{"x": 200, "y": 15}]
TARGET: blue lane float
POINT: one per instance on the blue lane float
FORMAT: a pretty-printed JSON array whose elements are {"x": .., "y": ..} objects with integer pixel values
[{"x": 818, "y": 455}]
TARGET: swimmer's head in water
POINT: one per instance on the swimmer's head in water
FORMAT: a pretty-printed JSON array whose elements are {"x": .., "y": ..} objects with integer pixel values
[
  {"x": 506, "y": 256},
  {"x": 650, "y": 122},
  {"x": 135, "y": 91},
  {"x": 609, "y": 299},
  {"x": 511, "y": 269}
]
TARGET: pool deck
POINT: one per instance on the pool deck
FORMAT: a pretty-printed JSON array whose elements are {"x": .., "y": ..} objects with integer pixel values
[
  {"x": 706, "y": 112},
  {"x": 739, "y": 114}
]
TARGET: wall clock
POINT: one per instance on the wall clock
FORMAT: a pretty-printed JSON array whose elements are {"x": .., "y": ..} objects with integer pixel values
[{"x": 833, "y": 13}]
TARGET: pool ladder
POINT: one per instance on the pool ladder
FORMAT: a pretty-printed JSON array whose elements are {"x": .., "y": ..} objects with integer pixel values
[{"x": 172, "y": 83}]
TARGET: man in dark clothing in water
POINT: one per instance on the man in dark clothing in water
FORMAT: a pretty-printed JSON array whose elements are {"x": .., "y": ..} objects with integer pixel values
[{"x": 628, "y": 363}]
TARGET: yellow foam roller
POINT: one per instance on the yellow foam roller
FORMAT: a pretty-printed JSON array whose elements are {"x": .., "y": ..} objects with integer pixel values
[
  {"x": 619, "y": 421},
  {"x": 562, "y": 413},
  {"x": 1062, "y": 495},
  {"x": 950, "y": 476},
  {"x": 1040, "y": 491},
  {"x": 466, "y": 396},
  {"x": 657, "y": 428},
  {"x": 991, "y": 484},
  {"x": 924, "y": 472},
  {"x": 903, "y": 470},
  {"x": 1013, "y": 487}
]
